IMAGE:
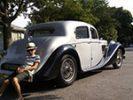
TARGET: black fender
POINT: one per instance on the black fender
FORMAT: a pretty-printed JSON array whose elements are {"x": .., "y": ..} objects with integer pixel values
[
  {"x": 111, "y": 51},
  {"x": 50, "y": 70}
]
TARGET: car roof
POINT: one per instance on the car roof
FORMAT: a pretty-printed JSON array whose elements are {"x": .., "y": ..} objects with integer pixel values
[{"x": 58, "y": 23}]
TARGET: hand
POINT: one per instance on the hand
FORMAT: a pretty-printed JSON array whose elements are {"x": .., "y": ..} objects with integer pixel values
[{"x": 20, "y": 69}]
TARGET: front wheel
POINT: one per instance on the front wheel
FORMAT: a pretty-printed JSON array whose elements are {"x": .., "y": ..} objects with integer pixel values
[
  {"x": 67, "y": 70},
  {"x": 118, "y": 59}
]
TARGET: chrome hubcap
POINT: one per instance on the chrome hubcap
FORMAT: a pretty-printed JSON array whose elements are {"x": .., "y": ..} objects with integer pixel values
[
  {"x": 119, "y": 58},
  {"x": 68, "y": 69}
]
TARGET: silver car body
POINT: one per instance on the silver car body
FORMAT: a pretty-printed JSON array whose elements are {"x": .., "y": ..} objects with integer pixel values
[{"x": 92, "y": 52}]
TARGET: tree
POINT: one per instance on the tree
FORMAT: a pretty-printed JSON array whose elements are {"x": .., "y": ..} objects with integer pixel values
[
  {"x": 9, "y": 10},
  {"x": 61, "y": 10},
  {"x": 91, "y": 11},
  {"x": 112, "y": 23},
  {"x": 124, "y": 26},
  {"x": 104, "y": 23}
]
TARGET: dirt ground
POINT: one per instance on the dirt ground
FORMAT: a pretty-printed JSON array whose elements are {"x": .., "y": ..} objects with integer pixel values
[{"x": 107, "y": 84}]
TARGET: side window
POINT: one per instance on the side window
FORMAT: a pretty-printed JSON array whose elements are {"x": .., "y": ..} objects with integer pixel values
[
  {"x": 93, "y": 33},
  {"x": 82, "y": 32}
]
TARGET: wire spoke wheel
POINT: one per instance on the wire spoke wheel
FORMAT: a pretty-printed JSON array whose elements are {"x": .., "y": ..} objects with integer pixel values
[
  {"x": 68, "y": 70},
  {"x": 119, "y": 59}
]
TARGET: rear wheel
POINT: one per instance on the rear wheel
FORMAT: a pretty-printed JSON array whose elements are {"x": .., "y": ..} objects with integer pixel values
[
  {"x": 68, "y": 70},
  {"x": 118, "y": 59}
]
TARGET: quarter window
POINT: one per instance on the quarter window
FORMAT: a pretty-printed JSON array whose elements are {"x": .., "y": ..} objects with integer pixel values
[
  {"x": 94, "y": 33},
  {"x": 82, "y": 32}
]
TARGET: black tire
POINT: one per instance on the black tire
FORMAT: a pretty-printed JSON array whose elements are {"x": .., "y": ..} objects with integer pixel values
[
  {"x": 67, "y": 71},
  {"x": 118, "y": 59}
]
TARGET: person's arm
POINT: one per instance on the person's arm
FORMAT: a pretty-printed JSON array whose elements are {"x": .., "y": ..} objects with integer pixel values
[{"x": 33, "y": 67}]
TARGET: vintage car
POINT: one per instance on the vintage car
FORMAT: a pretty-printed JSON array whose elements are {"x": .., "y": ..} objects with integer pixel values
[{"x": 66, "y": 48}]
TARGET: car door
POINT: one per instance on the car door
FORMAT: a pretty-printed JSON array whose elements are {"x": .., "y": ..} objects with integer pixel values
[
  {"x": 83, "y": 46},
  {"x": 96, "y": 48}
]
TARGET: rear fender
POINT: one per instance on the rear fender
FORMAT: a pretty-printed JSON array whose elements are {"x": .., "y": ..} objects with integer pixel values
[{"x": 50, "y": 69}]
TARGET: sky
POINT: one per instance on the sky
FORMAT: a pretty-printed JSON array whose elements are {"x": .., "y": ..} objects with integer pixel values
[{"x": 126, "y": 4}]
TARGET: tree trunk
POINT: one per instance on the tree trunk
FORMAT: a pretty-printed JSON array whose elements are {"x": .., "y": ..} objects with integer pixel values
[{"x": 7, "y": 35}]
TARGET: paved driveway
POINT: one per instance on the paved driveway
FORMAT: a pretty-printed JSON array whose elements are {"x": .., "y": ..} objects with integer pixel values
[{"x": 107, "y": 84}]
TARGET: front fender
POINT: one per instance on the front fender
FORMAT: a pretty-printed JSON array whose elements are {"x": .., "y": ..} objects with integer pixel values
[
  {"x": 111, "y": 51},
  {"x": 50, "y": 70}
]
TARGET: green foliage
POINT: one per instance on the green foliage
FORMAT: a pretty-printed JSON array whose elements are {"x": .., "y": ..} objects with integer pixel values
[
  {"x": 111, "y": 23},
  {"x": 105, "y": 23},
  {"x": 9, "y": 10},
  {"x": 124, "y": 26},
  {"x": 95, "y": 12},
  {"x": 61, "y": 10}
]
